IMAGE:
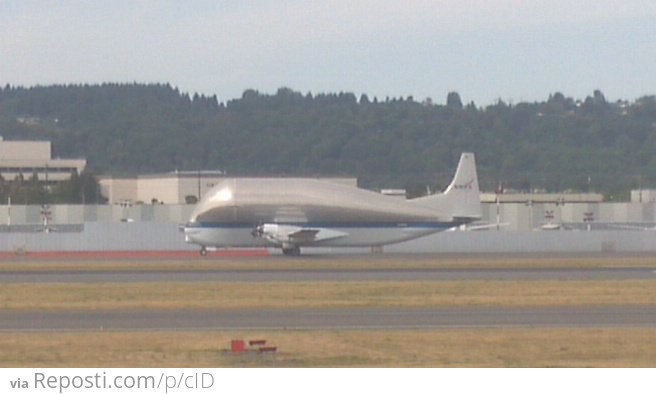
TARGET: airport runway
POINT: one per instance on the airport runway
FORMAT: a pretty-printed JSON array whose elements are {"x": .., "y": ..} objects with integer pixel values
[
  {"x": 340, "y": 275},
  {"x": 329, "y": 319}
]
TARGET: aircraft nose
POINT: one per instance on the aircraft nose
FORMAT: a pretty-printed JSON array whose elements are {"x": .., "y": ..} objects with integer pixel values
[{"x": 191, "y": 233}]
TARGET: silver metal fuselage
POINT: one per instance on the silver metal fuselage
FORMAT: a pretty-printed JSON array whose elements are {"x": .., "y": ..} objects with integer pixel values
[{"x": 227, "y": 214}]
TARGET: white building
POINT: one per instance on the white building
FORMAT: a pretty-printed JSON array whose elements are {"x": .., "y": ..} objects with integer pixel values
[
  {"x": 35, "y": 157},
  {"x": 643, "y": 195},
  {"x": 171, "y": 188}
]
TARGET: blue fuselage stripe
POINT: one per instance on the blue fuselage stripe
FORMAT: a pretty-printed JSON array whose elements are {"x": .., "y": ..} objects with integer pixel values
[{"x": 426, "y": 225}]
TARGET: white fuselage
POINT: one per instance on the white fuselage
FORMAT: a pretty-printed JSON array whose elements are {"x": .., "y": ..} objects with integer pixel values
[
  {"x": 357, "y": 236},
  {"x": 293, "y": 212},
  {"x": 228, "y": 214}
]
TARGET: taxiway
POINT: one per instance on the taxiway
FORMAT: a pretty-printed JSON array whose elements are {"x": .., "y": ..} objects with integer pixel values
[
  {"x": 304, "y": 275},
  {"x": 328, "y": 319}
]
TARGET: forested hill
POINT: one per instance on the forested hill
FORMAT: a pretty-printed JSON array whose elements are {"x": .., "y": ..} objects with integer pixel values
[{"x": 557, "y": 144}]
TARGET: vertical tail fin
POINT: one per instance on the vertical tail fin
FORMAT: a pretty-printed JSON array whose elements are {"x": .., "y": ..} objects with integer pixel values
[{"x": 461, "y": 200}]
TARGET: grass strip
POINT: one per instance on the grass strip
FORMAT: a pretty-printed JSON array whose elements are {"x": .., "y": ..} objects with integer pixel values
[
  {"x": 439, "y": 348},
  {"x": 324, "y": 294}
]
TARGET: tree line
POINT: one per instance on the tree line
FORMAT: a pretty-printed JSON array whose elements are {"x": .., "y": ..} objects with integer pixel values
[{"x": 558, "y": 144}]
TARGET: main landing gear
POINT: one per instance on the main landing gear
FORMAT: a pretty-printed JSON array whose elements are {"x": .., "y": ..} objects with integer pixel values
[
  {"x": 292, "y": 251},
  {"x": 203, "y": 251}
]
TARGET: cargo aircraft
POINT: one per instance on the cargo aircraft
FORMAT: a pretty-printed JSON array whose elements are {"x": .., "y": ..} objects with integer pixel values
[{"x": 293, "y": 213}]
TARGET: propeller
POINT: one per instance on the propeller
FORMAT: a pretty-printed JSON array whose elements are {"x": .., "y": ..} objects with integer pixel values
[{"x": 258, "y": 231}]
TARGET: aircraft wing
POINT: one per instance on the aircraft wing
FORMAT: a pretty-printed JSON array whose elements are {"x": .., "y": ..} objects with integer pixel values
[
  {"x": 295, "y": 235},
  {"x": 634, "y": 228},
  {"x": 304, "y": 235},
  {"x": 477, "y": 227}
]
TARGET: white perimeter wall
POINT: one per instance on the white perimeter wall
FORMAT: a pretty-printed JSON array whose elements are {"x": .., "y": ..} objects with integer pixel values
[{"x": 154, "y": 236}]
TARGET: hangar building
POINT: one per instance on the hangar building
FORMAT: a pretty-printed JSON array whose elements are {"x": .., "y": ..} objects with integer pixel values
[
  {"x": 35, "y": 157},
  {"x": 178, "y": 187}
]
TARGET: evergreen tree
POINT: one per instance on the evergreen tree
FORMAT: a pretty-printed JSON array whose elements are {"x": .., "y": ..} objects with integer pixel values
[
  {"x": 453, "y": 101},
  {"x": 127, "y": 129}
]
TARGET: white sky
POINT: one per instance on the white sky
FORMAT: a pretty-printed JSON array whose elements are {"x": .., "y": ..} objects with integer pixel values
[{"x": 510, "y": 49}]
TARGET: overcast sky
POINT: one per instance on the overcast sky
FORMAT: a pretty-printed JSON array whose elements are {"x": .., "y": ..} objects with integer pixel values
[{"x": 509, "y": 49}]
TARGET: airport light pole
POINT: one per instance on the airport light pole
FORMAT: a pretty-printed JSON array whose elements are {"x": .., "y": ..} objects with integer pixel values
[
  {"x": 588, "y": 218},
  {"x": 559, "y": 204},
  {"x": 46, "y": 215},
  {"x": 125, "y": 205},
  {"x": 498, "y": 213},
  {"x": 198, "y": 184},
  {"x": 499, "y": 191}
]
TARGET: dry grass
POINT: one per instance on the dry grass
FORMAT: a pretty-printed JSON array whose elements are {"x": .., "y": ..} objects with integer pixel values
[
  {"x": 324, "y": 294},
  {"x": 441, "y": 348},
  {"x": 488, "y": 347}
]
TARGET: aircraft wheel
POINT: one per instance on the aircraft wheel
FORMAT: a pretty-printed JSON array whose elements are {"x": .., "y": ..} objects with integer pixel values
[
  {"x": 294, "y": 251},
  {"x": 203, "y": 251}
]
